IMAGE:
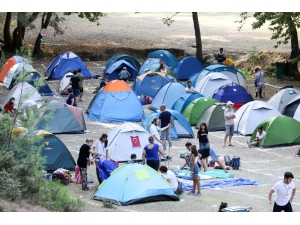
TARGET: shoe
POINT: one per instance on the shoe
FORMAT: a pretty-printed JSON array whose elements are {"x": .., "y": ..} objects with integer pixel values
[
  {"x": 169, "y": 158},
  {"x": 80, "y": 100},
  {"x": 248, "y": 144},
  {"x": 198, "y": 194},
  {"x": 231, "y": 145},
  {"x": 86, "y": 189},
  {"x": 191, "y": 193}
]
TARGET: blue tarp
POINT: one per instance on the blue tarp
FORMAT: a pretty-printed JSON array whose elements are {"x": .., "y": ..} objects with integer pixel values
[{"x": 218, "y": 173}]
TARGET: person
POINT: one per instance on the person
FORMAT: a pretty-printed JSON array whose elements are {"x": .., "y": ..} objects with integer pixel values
[
  {"x": 71, "y": 100},
  {"x": 194, "y": 171},
  {"x": 229, "y": 123},
  {"x": 260, "y": 83},
  {"x": 150, "y": 153},
  {"x": 81, "y": 78},
  {"x": 285, "y": 193},
  {"x": 74, "y": 82},
  {"x": 187, "y": 157},
  {"x": 221, "y": 56},
  {"x": 189, "y": 88},
  {"x": 229, "y": 62},
  {"x": 170, "y": 177},
  {"x": 204, "y": 153},
  {"x": 132, "y": 158},
  {"x": 162, "y": 68},
  {"x": 124, "y": 74},
  {"x": 84, "y": 160},
  {"x": 202, "y": 136},
  {"x": 9, "y": 107},
  {"x": 260, "y": 134},
  {"x": 224, "y": 205},
  {"x": 165, "y": 118},
  {"x": 101, "y": 148},
  {"x": 154, "y": 130}
]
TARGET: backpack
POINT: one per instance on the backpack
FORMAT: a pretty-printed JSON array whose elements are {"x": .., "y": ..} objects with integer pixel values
[{"x": 236, "y": 163}]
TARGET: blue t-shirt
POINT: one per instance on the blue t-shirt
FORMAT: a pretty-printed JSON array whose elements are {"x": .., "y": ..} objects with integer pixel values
[
  {"x": 152, "y": 154},
  {"x": 123, "y": 74},
  {"x": 69, "y": 100},
  {"x": 165, "y": 118}
]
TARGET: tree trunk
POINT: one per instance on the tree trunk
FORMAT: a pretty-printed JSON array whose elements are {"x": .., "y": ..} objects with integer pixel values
[
  {"x": 6, "y": 30},
  {"x": 293, "y": 67},
  {"x": 199, "y": 54}
]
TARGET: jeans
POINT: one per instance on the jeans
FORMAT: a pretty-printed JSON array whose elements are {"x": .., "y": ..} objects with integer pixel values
[{"x": 165, "y": 135}]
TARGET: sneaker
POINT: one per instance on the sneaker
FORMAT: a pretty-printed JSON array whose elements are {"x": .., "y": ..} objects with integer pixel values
[
  {"x": 198, "y": 194},
  {"x": 191, "y": 193},
  {"x": 248, "y": 144},
  {"x": 169, "y": 158}
]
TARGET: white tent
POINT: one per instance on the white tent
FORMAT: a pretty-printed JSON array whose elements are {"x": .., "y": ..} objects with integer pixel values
[
  {"x": 292, "y": 109},
  {"x": 126, "y": 139},
  {"x": 283, "y": 97},
  {"x": 250, "y": 115},
  {"x": 14, "y": 71},
  {"x": 207, "y": 85},
  {"x": 64, "y": 82},
  {"x": 21, "y": 92}
]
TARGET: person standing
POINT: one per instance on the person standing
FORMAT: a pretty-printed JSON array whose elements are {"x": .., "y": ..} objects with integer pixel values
[
  {"x": 154, "y": 130},
  {"x": 260, "y": 83},
  {"x": 194, "y": 171},
  {"x": 124, "y": 74},
  {"x": 285, "y": 192},
  {"x": 229, "y": 123},
  {"x": 101, "y": 148},
  {"x": 81, "y": 78},
  {"x": 74, "y": 82},
  {"x": 202, "y": 136},
  {"x": 165, "y": 118},
  {"x": 189, "y": 88}
]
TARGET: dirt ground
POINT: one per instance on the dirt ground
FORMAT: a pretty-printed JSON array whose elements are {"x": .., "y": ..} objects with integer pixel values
[{"x": 218, "y": 30}]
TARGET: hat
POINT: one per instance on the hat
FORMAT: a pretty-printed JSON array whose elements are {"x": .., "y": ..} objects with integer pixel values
[{"x": 229, "y": 103}]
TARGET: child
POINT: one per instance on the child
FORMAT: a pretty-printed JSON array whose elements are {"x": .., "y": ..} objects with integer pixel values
[
  {"x": 194, "y": 171},
  {"x": 132, "y": 158},
  {"x": 202, "y": 135}
]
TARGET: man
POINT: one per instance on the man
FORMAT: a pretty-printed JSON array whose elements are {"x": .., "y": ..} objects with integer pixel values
[
  {"x": 165, "y": 119},
  {"x": 170, "y": 177},
  {"x": 260, "y": 134},
  {"x": 81, "y": 78},
  {"x": 124, "y": 74},
  {"x": 221, "y": 56},
  {"x": 260, "y": 83},
  {"x": 189, "y": 88},
  {"x": 204, "y": 153},
  {"x": 229, "y": 123},
  {"x": 188, "y": 156},
  {"x": 285, "y": 192},
  {"x": 74, "y": 81}
]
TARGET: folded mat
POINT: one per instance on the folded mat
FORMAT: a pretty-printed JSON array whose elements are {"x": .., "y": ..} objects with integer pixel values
[
  {"x": 222, "y": 184},
  {"x": 218, "y": 173}
]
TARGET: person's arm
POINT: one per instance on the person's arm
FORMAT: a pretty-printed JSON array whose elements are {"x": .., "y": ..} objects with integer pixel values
[
  {"x": 94, "y": 152},
  {"x": 270, "y": 196},
  {"x": 293, "y": 195},
  {"x": 160, "y": 150},
  {"x": 207, "y": 139},
  {"x": 106, "y": 154},
  {"x": 172, "y": 122},
  {"x": 143, "y": 156},
  {"x": 72, "y": 101},
  {"x": 164, "y": 128},
  {"x": 198, "y": 136},
  {"x": 193, "y": 164}
]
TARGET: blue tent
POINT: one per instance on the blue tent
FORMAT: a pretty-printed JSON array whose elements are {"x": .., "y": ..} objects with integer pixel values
[
  {"x": 181, "y": 129},
  {"x": 149, "y": 83},
  {"x": 193, "y": 78},
  {"x": 114, "y": 69},
  {"x": 167, "y": 95},
  {"x": 169, "y": 59},
  {"x": 187, "y": 67},
  {"x": 117, "y": 102},
  {"x": 134, "y": 62},
  {"x": 184, "y": 100},
  {"x": 64, "y": 62},
  {"x": 135, "y": 183},
  {"x": 150, "y": 64},
  {"x": 235, "y": 93}
]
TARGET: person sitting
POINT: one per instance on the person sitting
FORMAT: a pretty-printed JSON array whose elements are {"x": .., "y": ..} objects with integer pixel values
[
  {"x": 132, "y": 158},
  {"x": 124, "y": 74},
  {"x": 71, "y": 100},
  {"x": 9, "y": 107},
  {"x": 189, "y": 88},
  {"x": 170, "y": 177},
  {"x": 221, "y": 56},
  {"x": 260, "y": 134},
  {"x": 162, "y": 68},
  {"x": 188, "y": 156},
  {"x": 229, "y": 62},
  {"x": 224, "y": 205}
]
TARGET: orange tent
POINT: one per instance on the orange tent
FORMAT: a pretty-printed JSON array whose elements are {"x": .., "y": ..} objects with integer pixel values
[{"x": 10, "y": 62}]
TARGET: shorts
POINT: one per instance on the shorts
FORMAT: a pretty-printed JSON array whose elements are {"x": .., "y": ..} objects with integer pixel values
[
  {"x": 213, "y": 154},
  {"x": 196, "y": 169},
  {"x": 260, "y": 86},
  {"x": 229, "y": 130},
  {"x": 76, "y": 92},
  {"x": 81, "y": 90}
]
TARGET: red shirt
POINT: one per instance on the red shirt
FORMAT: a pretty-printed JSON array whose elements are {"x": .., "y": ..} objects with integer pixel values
[{"x": 9, "y": 107}]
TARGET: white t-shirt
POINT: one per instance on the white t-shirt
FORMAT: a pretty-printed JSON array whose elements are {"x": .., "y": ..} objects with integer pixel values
[
  {"x": 191, "y": 89},
  {"x": 28, "y": 103},
  {"x": 262, "y": 135},
  {"x": 101, "y": 149},
  {"x": 283, "y": 192},
  {"x": 228, "y": 112},
  {"x": 154, "y": 131},
  {"x": 173, "y": 180}
]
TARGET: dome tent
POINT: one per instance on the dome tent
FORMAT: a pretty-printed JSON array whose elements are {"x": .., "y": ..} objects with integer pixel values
[
  {"x": 283, "y": 97},
  {"x": 167, "y": 57},
  {"x": 184, "y": 101},
  {"x": 186, "y": 67},
  {"x": 128, "y": 58}
]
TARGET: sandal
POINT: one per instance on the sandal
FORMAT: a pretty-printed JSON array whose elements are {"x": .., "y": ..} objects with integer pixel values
[
  {"x": 191, "y": 193},
  {"x": 198, "y": 194}
]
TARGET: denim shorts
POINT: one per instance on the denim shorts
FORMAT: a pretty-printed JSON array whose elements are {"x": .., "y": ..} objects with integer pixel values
[
  {"x": 76, "y": 92},
  {"x": 213, "y": 154},
  {"x": 196, "y": 169}
]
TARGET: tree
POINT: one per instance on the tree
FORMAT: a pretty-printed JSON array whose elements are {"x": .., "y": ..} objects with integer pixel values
[{"x": 284, "y": 26}]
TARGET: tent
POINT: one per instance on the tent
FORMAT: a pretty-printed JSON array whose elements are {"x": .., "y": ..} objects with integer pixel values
[
  {"x": 213, "y": 116},
  {"x": 126, "y": 139},
  {"x": 135, "y": 183},
  {"x": 10, "y": 62},
  {"x": 181, "y": 128},
  {"x": 63, "y": 62},
  {"x": 195, "y": 108},
  {"x": 27, "y": 91},
  {"x": 209, "y": 84},
  {"x": 167, "y": 95},
  {"x": 252, "y": 114},
  {"x": 193, "y": 78},
  {"x": 56, "y": 153},
  {"x": 149, "y": 83},
  {"x": 34, "y": 78},
  {"x": 292, "y": 109},
  {"x": 131, "y": 60},
  {"x": 114, "y": 69},
  {"x": 233, "y": 74},
  {"x": 235, "y": 93},
  {"x": 184, "y": 100},
  {"x": 117, "y": 102},
  {"x": 149, "y": 64},
  {"x": 187, "y": 67},
  {"x": 281, "y": 130},
  {"x": 283, "y": 97},
  {"x": 64, "y": 82},
  {"x": 58, "y": 118},
  {"x": 13, "y": 72},
  {"x": 167, "y": 57}
]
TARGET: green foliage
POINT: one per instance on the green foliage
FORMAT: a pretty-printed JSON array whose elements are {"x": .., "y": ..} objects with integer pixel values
[
  {"x": 1, "y": 207},
  {"x": 25, "y": 52},
  {"x": 169, "y": 20},
  {"x": 107, "y": 204},
  {"x": 254, "y": 58}
]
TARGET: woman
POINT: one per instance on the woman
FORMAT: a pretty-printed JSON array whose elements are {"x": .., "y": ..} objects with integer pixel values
[
  {"x": 101, "y": 148},
  {"x": 154, "y": 130},
  {"x": 170, "y": 177},
  {"x": 202, "y": 136},
  {"x": 162, "y": 68},
  {"x": 9, "y": 107},
  {"x": 84, "y": 160},
  {"x": 194, "y": 171},
  {"x": 150, "y": 153},
  {"x": 71, "y": 100}
]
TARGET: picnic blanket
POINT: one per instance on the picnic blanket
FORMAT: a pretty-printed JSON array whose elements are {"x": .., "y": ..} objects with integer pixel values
[
  {"x": 185, "y": 174},
  {"x": 222, "y": 183}
]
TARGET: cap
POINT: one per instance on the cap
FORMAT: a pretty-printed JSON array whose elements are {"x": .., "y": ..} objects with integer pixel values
[{"x": 229, "y": 103}]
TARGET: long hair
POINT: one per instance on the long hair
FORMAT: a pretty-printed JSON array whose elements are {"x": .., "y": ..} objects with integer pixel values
[
  {"x": 106, "y": 142},
  {"x": 154, "y": 121},
  {"x": 222, "y": 206},
  {"x": 205, "y": 129},
  {"x": 194, "y": 150}
]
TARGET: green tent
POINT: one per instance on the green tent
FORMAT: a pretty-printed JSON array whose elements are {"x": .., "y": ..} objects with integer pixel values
[
  {"x": 213, "y": 116},
  {"x": 281, "y": 130},
  {"x": 194, "y": 110}
]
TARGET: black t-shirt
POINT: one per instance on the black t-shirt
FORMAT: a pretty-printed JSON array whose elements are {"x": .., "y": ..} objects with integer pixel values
[
  {"x": 165, "y": 118},
  {"x": 84, "y": 154},
  {"x": 204, "y": 152},
  {"x": 75, "y": 82},
  {"x": 69, "y": 100},
  {"x": 202, "y": 136}
]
